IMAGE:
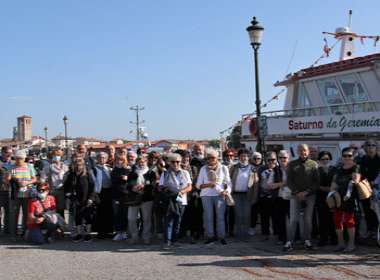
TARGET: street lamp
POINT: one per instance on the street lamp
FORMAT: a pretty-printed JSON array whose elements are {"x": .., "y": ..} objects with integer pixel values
[
  {"x": 65, "y": 119},
  {"x": 46, "y": 137},
  {"x": 255, "y": 32}
]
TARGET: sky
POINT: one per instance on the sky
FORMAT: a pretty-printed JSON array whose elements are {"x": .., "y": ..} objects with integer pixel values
[{"x": 189, "y": 63}]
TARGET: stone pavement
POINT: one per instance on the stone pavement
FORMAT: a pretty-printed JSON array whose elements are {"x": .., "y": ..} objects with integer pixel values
[{"x": 255, "y": 259}]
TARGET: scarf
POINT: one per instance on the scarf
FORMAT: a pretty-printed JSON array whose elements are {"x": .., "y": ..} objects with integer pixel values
[
  {"x": 171, "y": 182},
  {"x": 212, "y": 173},
  {"x": 140, "y": 174}
]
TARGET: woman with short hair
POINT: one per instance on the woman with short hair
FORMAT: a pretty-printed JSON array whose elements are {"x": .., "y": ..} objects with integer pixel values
[
  {"x": 175, "y": 183},
  {"x": 344, "y": 182},
  {"x": 215, "y": 183}
]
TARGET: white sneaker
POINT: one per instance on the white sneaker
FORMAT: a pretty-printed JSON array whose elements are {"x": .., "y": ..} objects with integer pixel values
[
  {"x": 118, "y": 237},
  {"x": 251, "y": 231},
  {"x": 308, "y": 245}
]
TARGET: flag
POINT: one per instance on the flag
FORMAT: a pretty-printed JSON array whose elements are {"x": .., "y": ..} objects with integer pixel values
[{"x": 326, "y": 48}]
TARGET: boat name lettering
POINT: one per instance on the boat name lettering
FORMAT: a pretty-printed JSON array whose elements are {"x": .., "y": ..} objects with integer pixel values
[{"x": 299, "y": 125}]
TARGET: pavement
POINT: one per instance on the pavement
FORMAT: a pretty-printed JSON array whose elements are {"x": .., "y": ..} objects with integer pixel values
[{"x": 252, "y": 259}]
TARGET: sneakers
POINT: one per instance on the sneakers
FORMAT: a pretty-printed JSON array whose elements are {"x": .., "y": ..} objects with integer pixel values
[
  {"x": 223, "y": 242},
  {"x": 288, "y": 247},
  {"x": 87, "y": 238},
  {"x": 77, "y": 238},
  {"x": 308, "y": 245},
  {"x": 120, "y": 236},
  {"x": 251, "y": 231},
  {"x": 349, "y": 249}
]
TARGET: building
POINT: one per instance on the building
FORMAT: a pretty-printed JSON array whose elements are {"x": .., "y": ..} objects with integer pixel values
[
  {"x": 24, "y": 128},
  {"x": 60, "y": 141}
]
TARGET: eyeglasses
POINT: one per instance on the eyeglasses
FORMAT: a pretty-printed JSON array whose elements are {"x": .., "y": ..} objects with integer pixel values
[{"x": 347, "y": 155}]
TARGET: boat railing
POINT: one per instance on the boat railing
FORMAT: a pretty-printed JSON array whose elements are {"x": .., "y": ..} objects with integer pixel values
[{"x": 337, "y": 109}]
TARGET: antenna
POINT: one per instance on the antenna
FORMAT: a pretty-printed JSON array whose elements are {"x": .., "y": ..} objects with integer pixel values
[
  {"x": 137, "y": 109},
  {"x": 349, "y": 18}
]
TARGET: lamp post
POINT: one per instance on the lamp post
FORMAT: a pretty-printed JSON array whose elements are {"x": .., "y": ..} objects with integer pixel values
[
  {"x": 65, "y": 120},
  {"x": 255, "y": 32},
  {"x": 46, "y": 136}
]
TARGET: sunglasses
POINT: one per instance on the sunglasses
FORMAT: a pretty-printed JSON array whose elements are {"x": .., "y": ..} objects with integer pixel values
[
  {"x": 347, "y": 155},
  {"x": 283, "y": 157},
  {"x": 42, "y": 191},
  {"x": 271, "y": 159},
  {"x": 371, "y": 145}
]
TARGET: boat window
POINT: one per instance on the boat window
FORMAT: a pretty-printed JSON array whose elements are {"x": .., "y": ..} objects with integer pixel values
[
  {"x": 332, "y": 96},
  {"x": 352, "y": 89},
  {"x": 303, "y": 101}
]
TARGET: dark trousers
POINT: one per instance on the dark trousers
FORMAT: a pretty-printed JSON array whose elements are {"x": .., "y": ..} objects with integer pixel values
[
  {"x": 230, "y": 220},
  {"x": 193, "y": 218},
  {"x": 254, "y": 213},
  {"x": 266, "y": 206},
  {"x": 15, "y": 206},
  {"x": 104, "y": 221},
  {"x": 370, "y": 215},
  {"x": 4, "y": 203},
  {"x": 120, "y": 214},
  {"x": 281, "y": 214},
  {"x": 326, "y": 228}
]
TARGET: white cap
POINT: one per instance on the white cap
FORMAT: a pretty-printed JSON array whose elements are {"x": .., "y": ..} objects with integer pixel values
[{"x": 20, "y": 154}]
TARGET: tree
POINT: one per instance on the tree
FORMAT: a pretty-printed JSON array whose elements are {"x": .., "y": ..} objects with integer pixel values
[
  {"x": 235, "y": 137},
  {"x": 215, "y": 143}
]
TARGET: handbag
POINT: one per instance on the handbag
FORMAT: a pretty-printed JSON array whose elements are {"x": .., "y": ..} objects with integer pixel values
[
  {"x": 364, "y": 189},
  {"x": 334, "y": 200},
  {"x": 229, "y": 199}
]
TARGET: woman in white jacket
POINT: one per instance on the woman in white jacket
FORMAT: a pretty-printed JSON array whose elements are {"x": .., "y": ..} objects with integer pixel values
[{"x": 215, "y": 183}]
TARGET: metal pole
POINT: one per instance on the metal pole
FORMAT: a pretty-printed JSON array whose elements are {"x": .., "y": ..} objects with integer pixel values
[
  {"x": 46, "y": 137},
  {"x": 138, "y": 122},
  {"x": 260, "y": 143}
]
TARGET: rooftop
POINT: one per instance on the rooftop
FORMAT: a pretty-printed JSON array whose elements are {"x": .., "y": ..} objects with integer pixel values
[{"x": 334, "y": 67}]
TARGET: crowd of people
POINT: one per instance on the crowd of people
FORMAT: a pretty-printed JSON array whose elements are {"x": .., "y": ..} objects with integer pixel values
[{"x": 192, "y": 195}]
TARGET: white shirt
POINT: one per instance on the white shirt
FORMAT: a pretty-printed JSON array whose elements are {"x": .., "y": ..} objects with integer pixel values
[
  {"x": 223, "y": 179},
  {"x": 242, "y": 179},
  {"x": 182, "y": 179}
]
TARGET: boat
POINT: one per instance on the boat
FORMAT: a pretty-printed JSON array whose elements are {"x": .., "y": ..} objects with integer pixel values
[{"x": 328, "y": 107}]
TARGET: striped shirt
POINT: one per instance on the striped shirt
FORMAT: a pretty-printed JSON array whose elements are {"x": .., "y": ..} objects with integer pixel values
[{"x": 23, "y": 175}]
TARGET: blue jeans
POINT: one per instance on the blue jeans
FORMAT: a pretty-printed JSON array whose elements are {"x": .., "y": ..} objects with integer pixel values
[
  {"x": 211, "y": 204},
  {"x": 172, "y": 224},
  {"x": 120, "y": 215},
  {"x": 36, "y": 236}
]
